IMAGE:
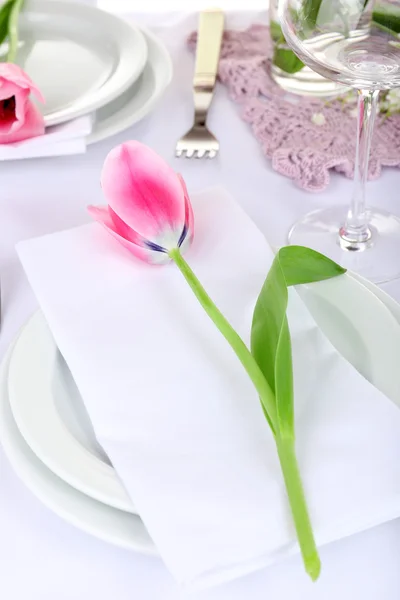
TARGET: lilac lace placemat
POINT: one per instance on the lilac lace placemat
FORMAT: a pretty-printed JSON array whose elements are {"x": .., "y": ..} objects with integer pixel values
[{"x": 303, "y": 137}]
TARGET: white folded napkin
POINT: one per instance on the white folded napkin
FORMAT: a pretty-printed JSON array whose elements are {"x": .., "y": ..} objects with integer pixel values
[
  {"x": 58, "y": 140},
  {"x": 179, "y": 417}
]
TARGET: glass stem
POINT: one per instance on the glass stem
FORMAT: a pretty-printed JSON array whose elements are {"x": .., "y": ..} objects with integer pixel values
[{"x": 356, "y": 233}]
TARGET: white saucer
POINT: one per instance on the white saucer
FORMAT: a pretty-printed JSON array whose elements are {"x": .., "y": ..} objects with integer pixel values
[
  {"x": 102, "y": 521},
  {"x": 134, "y": 104},
  {"x": 80, "y": 57}
]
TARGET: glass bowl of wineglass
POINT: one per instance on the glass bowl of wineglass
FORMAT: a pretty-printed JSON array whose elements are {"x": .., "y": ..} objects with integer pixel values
[{"x": 356, "y": 43}]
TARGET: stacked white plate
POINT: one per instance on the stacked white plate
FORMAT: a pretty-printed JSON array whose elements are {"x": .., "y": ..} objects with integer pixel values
[
  {"x": 49, "y": 440},
  {"x": 87, "y": 61}
]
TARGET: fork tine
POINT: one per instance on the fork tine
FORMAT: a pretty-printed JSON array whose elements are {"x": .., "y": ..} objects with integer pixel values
[{"x": 198, "y": 142}]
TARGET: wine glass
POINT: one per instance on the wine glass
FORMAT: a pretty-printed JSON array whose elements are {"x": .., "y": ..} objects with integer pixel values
[{"x": 354, "y": 42}]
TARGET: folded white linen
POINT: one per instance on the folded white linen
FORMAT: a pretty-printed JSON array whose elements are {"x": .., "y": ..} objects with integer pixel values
[
  {"x": 58, "y": 140},
  {"x": 177, "y": 414}
]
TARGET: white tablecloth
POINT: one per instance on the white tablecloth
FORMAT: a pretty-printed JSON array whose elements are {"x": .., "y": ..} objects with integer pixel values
[{"x": 43, "y": 558}]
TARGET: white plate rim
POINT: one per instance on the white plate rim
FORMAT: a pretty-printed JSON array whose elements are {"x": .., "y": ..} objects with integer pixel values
[
  {"x": 95, "y": 518},
  {"x": 383, "y": 296},
  {"x": 157, "y": 53},
  {"x": 379, "y": 336},
  {"x": 117, "y": 84}
]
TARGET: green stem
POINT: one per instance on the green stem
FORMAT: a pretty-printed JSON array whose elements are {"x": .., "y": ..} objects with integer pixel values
[
  {"x": 298, "y": 505},
  {"x": 285, "y": 446},
  {"x": 237, "y": 344},
  {"x": 13, "y": 30}
]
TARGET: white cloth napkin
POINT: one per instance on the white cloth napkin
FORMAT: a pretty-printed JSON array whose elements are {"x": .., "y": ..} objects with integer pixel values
[
  {"x": 178, "y": 416},
  {"x": 58, "y": 140}
]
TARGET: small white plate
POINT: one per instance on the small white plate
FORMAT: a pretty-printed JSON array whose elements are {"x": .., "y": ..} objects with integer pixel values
[
  {"x": 140, "y": 98},
  {"x": 102, "y": 521},
  {"x": 80, "y": 57},
  {"x": 50, "y": 413}
]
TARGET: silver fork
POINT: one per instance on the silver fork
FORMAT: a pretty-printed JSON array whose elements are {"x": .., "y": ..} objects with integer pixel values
[{"x": 199, "y": 141}]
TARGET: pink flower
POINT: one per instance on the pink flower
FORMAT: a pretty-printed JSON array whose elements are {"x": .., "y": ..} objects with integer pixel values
[
  {"x": 148, "y": 210},
  {"x": 19, "y": 117}
]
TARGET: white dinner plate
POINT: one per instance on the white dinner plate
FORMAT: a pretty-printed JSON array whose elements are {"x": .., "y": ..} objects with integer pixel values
[
  {"x": 102, "y": 521},
  {"x": 51, "y": 416},
  {"x": 53, "y": 420},
  {"x": 80, "y": 57},
  {"x": 140, "y": 98}
]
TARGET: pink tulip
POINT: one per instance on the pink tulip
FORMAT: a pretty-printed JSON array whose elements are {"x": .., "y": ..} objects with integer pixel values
[
  {"x": 148, "y": 210},
  {"x": 19, "y": 117}
]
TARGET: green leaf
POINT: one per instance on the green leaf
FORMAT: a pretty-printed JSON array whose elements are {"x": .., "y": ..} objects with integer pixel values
[
  {"x": 387, "y": 15},
  {"x": 270, "y": 336},
  {"x": 310, "y": 12},
  {"x": 276, "y": 32},
  {"x": 284, "y": 382},
  {"x": 303, "y": 265},
  {"x": 268, "y": 319},
  {"x": 5, "y": 11},
  {"x": 286, "y": 60}
]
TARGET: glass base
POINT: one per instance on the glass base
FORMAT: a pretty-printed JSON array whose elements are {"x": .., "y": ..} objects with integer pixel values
[{"x": 378, "y": 259}]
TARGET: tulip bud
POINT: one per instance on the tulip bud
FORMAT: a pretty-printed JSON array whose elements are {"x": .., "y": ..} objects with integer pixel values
[{"x": 149, "y": 210}]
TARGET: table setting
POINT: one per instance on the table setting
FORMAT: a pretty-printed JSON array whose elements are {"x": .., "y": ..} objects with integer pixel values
[
  {"x": 108, "y": 92},
  {"x": 194, "y": 405}
]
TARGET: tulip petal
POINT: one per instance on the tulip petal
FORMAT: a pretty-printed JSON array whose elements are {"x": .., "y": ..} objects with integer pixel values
[
  {"x": 144, "y": 191},
  {"x": 188, "y": 231},
  {"x": 21, "y": 98},
  {"x": 12, "y": 73},
  {"x": 21, "y": 107},
  {"x": 27, "y": 121},
  {"x": 8, "y": 89},
  {"x": 189, "y": 217},
  {"x": 124, "y": 230},
  {"x": 32, "y": 125},
  {"x": 102, "y": 215}
]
